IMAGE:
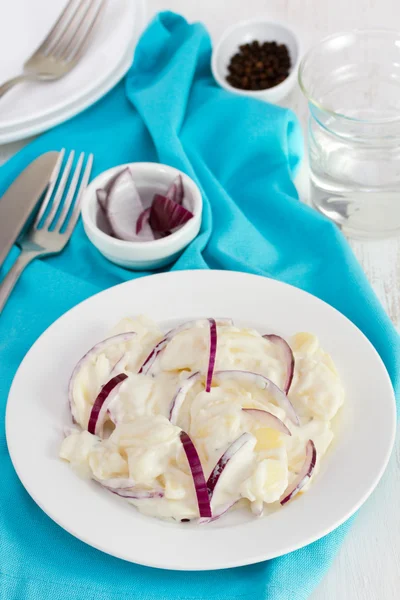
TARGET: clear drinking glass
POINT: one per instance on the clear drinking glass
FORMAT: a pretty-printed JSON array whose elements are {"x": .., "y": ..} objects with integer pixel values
[{"x": 352, "y": 83}]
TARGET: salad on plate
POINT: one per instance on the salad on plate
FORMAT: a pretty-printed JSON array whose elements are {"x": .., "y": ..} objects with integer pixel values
[{"x": 190, "y": 424}]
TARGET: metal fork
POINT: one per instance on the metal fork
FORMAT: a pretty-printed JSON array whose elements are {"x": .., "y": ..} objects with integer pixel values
[
  {"x": 64, "y": 45},
  {"x": 39, "y": 240}
]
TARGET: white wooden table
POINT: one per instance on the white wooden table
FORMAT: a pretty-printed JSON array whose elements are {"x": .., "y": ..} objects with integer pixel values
[{"x": 368, "y": 565}]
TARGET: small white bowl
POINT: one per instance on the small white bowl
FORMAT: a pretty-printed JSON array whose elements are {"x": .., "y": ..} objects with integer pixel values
[
  {"x": 263, "y": 31},
  {"x": 150, "y": 178}
]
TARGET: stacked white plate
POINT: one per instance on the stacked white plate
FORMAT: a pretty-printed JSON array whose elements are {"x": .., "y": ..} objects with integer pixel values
[{"x": 33, "y": 107}]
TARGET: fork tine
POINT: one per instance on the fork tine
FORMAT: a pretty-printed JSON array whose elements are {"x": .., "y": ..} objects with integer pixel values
[
  {"x": 63, "y": 20},
  {"x": 81, "y": 15},
  {"x": 52, "y": 183},
  {"x": 70, "y": 194},
  {"x": 59, "y": 192},
  {"x": 77, "y": 208},
  {"x": 80, "y": 44}
]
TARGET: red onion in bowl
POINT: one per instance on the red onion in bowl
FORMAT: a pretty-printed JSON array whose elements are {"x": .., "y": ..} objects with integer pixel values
[
  {"x": 103, "y": 400},
  {"x": 264, "y": 383},
  {"x": 199, "y": 481},
  {"x": 120, "y": 338},
  {"x": 107, "y": 186},
  {"x": 102, "y": 193},
  {"x": 166, "y": 214},
  {"x": 175, "y": 191},
  {"x": 101, "y": 196},
  {"x": 289, "y": 358},
  {"x": 305, "y": 474},
  {"x": 123, "y": 216},
  {"x": 123, "y": 206},
  {"x": 142, "y": 220},
  {"x": 268, "y": 419}
]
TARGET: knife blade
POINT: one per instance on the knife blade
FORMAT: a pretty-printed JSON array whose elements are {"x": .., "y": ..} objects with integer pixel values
[{"x": 20, "y": 199}]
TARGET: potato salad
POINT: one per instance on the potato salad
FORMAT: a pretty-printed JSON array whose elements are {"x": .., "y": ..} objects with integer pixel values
[{"x": 188, "y": 424}]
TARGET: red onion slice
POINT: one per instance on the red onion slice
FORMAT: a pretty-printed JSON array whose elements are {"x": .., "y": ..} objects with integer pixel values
[
  {"x": 148, "y": 363},
  {"x": 268, "y": 419},
  {"x": 101, "y": 196},
  {"x": 213, "y": 353},
  {"x": 122, "y": 483},
  {"x": 117, "y": 368},
  {"x": 305, "y": 474},
  {"x": 166, "y": 214},
  {"x": 264, "y": 383},
  {"x": 119, "y": 365},
  {"x": 102, "y": 193},
  {"x": 175, "y": 191},
  {"x": 221, "y": 322},
  {"x": 180, "y": 396},
  {"x": 121, "y": 338},
  {"x": 143, "y": 229},
  {"x": 199, "y": 481},
  {"x": 123, "y": 206},
  {"x": 102, "y": 220},
  {"x": 103, "y": 400},
  {"x": 219, "y": 512},
  {"x": 134, "y": 493},
  {"x": 171, "y": 192},
  {"x": 150, "y": 360},
  {"x": 223, "y": 461},
  {"x": 126, "y": 488},
  {"x": 289, "y": 358}
]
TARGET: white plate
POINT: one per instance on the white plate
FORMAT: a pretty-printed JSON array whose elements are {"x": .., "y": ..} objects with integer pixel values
[
  {"x": 38, "y": 126},
  {"x": 34, "y": 107},
  {"x": 37, "y": 411}
]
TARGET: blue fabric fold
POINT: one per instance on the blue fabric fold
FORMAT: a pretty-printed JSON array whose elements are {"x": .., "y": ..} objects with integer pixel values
[{"x": 243, "y": 154}]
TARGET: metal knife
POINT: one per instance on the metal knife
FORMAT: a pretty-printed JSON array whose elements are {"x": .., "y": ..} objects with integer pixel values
[{"x": 20, "y": 199}]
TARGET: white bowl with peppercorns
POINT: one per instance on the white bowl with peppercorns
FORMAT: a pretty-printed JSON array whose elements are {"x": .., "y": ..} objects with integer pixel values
[{"x": 257, "y": 58}]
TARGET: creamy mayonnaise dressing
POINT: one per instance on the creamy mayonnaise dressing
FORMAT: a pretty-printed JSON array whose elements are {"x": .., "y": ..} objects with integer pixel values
[{"x": 141, "y": 448}]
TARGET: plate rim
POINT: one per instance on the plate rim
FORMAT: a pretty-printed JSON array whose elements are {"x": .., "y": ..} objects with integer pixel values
[
  {"x": 33, "y": 126},
  {"x": 232, "y": 563}
]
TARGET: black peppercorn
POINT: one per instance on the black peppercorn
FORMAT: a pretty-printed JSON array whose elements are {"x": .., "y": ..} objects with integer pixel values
[{"x": 259, "y": 65}]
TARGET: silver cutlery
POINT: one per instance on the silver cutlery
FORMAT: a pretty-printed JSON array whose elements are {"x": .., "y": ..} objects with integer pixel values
[
  {"x": 20, "y": 199},
  {"x": 64, "y": 45},
  {"x": 55, "y": 220}
]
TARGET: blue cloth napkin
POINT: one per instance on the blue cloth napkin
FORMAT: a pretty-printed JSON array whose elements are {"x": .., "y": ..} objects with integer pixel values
[{"x": 242, "y": 153}]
